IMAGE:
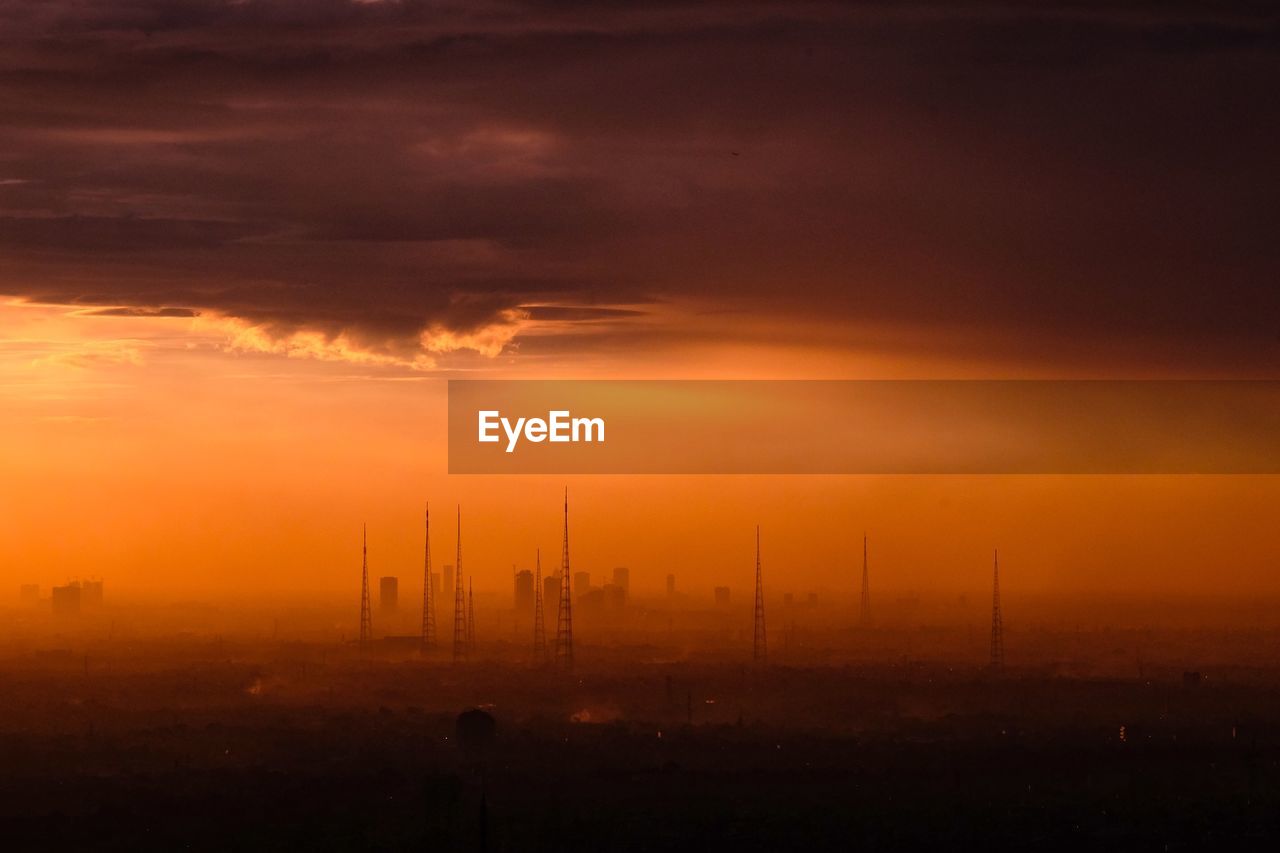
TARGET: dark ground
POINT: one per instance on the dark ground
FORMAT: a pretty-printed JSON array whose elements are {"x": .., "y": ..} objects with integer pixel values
[{"x": 296, "y": 754}]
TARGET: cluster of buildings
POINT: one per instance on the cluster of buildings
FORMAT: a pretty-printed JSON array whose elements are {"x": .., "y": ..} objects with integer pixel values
[
  {"x": 609, "y": 596},
  {"x": 441, "y": 584},
  {"x": 66, "y": 600}
]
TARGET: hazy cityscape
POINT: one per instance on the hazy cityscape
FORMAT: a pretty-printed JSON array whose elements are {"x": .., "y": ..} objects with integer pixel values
[
  {"x": 585, "y": 716},
  {"x": 527, "y": 427}
]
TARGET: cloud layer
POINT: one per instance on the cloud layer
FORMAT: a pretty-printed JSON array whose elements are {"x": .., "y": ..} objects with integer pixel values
[{"x": 396, "y": 181}]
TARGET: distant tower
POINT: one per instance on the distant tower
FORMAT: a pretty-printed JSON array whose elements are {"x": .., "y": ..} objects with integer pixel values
[
  {"x": 539, "y": 629},
  {"x": 760, "y": 651},
  {"x": 564, "y": 624},
  {"x": 865, "y": 615},
  {"x": 997, "y": 620},
  {"x": 428, "y": 600},
  {"x": 471, "y": 615},
  {"x": 459, "y": 604},
  {"x": 366, "y": 610}
]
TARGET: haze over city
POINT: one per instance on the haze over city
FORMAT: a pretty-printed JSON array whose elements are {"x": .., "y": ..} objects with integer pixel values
[{"x": 245, "y": 244}]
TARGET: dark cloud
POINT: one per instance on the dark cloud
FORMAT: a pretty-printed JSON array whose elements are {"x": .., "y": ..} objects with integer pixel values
[
  {"x": 90, "y": 235},
  {"x": 1041, "y": 177},
  {"x": 144, "y": 312},
  {"x": 578, "y": 313}
]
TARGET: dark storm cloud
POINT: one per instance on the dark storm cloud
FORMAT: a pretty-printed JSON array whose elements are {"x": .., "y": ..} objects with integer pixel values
[
  {"x": 1042, "y": 177},
  {"x": 143, "y": 312}
]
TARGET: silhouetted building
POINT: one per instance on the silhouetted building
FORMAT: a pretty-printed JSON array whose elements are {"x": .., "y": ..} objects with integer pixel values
[
  {"x": 91, "y": 594},
  {"x": 474, "y": 731},
  {"x": 615, "y": 596},
  {"x": 592, "y": 601},
  {"x": 722, "y": 596},
  {"x": 551, "y": 591},
  {"x": 622, "y": 578},
  {"x": 448, "y": 581},
  {"x": 671, "y": 586},
  {"x": 388, "y": 595},
  {"x": 66, "y": 600},
  {"x": 524, "y": 591},
  {"x": 29, "y": 593},
  {"x": 581, "y": 583}
]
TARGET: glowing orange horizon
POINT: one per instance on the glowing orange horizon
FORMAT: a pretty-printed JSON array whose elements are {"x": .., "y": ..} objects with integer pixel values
[{"x": 144, "y": 451}]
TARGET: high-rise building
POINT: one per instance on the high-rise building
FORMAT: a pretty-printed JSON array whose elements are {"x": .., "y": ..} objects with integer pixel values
[
  {"x": 581, "y": 583},
  {"x": 622, "y": 578},
  {"x": 388, "y": 595},
  {"x": 615, "y": 597},
  {"x": 29, "y": 593},
  {"x": 524, "y": 591},
  {"x": 722, "y": 596},
  {"x": 448, "y": 581},
  {"x": 91, "y": 594},
  {"x": 66, "y": 600},
  {"x": 551, "y": 591},
  {"x": 671, "y": 586}
]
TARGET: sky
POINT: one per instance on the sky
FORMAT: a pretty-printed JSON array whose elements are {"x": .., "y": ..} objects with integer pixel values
[{"x": 242, "y": 244}]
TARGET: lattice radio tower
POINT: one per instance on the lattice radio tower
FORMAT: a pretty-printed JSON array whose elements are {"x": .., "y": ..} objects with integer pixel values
[
  {"x": 564, "y": 623},
  {"x": 471, "y": 615},
  {"x": 539, "y": 629},
  {"x": 366, "y": 611},
  {"x": 997, "y": 619},
  {"x": 760, "y": 650},
  {"x": 428, "y": 600},
  {"x": 865, "y": 614},
  {"x": 459, "y": 602}
]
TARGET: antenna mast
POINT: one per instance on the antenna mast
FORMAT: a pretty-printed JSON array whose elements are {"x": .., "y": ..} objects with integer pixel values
[
  {"x": 997, "y": 619},
  {"x": 564, "y": 623},
  {"x": 428, "y": 600},
  {"x": 459, "y": 605},
  {"x": 865, "y": 615},
  {"x": 471, "y": 615},
  {"x": 539, "y": 629},
  {"x": 760, "y": 649},
  {"x": 366, "y": 612}
]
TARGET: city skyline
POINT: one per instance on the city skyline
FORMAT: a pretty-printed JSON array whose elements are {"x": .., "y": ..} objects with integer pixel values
[
  {"x": 228, "y": 304},
  {"x": 893, "y": 388}
]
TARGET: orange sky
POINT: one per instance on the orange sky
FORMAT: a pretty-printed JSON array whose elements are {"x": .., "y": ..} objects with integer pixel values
[
  {"x": 242, "y": 245},
  {"x": 148, "y": 452}
]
